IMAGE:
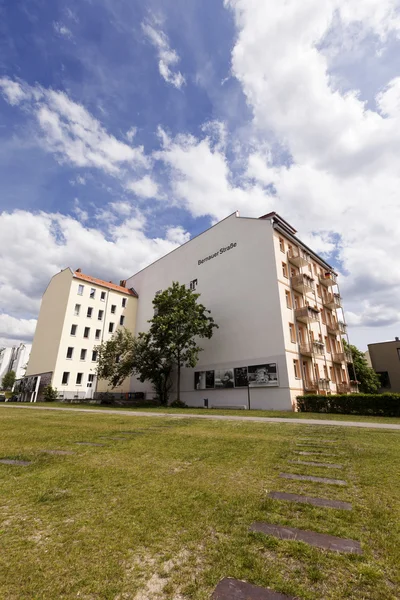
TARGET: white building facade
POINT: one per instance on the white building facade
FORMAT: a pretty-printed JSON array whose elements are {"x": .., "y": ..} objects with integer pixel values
[
  {"x": 78, "y": 312},
  {"x": 14, "y": 359},
  {"x": 278, "y": 309}
]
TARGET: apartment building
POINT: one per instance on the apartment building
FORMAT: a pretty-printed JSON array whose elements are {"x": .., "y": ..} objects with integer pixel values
[
  {"x": 385, "y": 360},
  {"x": 78, "y": 312},
  {"x": 279, "y": 311},
  {"x": 14, "y": 359}
]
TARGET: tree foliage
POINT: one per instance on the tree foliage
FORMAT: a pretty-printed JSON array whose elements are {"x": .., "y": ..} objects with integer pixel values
[
  {"x": 50, "y": 394},
  {"x": 369, "y": 381},
  {"x": 179, "y": 321},
  {"x": 171, "y": 342},
  {"x": 8, "y": 380}
]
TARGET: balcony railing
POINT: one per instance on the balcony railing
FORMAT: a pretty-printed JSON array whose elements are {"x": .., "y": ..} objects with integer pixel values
[
  {"x": 332, "y": 301},
  {"x": 313, "y": 348},
  {"x": 298, "y": 257},
  {"x": 310, "y": 385},
  {"x": 343, "y": 388},
  {"x": 302, "y": 283},
  {"x": 338, "y": 328},
  {"x": 324, "y": 384},
  {"x": 341, "y": 357},
  {"x": 327, "y": 279},
  {"x": 306, "y": 314}
]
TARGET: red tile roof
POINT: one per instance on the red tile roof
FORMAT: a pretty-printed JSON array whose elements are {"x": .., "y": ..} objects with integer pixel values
[{"x": 106, "y": 284}]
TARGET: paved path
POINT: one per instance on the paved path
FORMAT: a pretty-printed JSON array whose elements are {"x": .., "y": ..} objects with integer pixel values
[{"x": 137, "y": 413}]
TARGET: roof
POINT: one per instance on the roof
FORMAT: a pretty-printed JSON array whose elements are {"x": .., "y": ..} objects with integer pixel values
[
  {"x": 278, "y": 219},
  {"x": 106, "y": 284}
]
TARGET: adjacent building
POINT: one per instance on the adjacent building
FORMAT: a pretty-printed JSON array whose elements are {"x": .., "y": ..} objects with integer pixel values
[
  {"x": 14, "y": 359},
  {"x": 385, "y": 360},
  {"x": 279, "y": 311},
  {"x": 78, "y": 312}
]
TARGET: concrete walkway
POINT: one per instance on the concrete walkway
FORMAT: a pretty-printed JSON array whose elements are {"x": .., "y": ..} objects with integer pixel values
[{"x": 292, "y": 421}]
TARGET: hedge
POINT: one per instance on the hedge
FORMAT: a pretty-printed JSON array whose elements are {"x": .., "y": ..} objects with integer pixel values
[{"x": 383, "y": 405}]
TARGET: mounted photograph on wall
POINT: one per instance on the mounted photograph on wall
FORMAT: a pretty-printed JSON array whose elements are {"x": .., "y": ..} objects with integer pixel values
[
  {"x": 240, "y": 377},
  {"x": 224, "y": 378},
  {"x": 204, "y": 380},
  {"x": 263, "y": 375}
]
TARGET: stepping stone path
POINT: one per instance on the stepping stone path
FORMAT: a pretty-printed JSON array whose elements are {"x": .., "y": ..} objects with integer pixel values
[
  {"x": 89, "y": 444},
  {"x": 317, "y": 440},
  {"x": 112, "y": 438},
  {"x": 319, "y": 540},
  {"x": 61, "y": 452},
  {"x": 12, "y": 461},
  {"x": 233, "y": 589},
  {"x": 305, "y": 453},
  {"x": 315, "y": 464},
  {"x": 323, "y": 502},
  {"x": 312, "y": 478}
]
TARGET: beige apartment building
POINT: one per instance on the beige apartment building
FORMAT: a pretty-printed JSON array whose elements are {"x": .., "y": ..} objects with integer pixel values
[
  {"x": 78, "y": 312},
  {"x": 385, "y": 360}
]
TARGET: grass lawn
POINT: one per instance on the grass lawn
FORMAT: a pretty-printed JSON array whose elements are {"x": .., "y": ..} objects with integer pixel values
[
  {"x": 164, "y": 514},
  {"x": 229, "y": 412}
]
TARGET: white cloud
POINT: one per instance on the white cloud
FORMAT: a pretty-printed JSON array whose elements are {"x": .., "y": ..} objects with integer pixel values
[
  {"x": 69, "y": 131},
  {"x": 52, "y": 242},
  {"x": 62, "y": 30},
  {"x": 130, "y": 134},
  {"x": 144, "y": 188},
  {"x": 168, "y": 58}
]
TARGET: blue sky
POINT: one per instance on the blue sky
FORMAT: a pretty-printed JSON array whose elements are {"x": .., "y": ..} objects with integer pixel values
[{"x": 127, "y": 127}]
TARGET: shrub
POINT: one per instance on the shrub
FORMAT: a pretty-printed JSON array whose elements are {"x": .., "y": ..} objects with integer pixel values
[
  {"x": 178, "y": 404},
  {"x": 382, "y": 405},
  {"x": 50, "y": 394}
]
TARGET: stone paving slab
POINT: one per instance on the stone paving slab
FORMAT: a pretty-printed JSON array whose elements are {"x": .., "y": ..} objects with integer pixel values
[
  {"x": 315, "y": 464},
  {"x": 61, "y": 452},
  {"x": 323, "y": 502},
  {"x": 305, "y": 453},
  {"x": 319, "y": 540},
  {"x": 12, "y": 461},
  {"x": 89, "y": 444},
  {"x": 188, "y": 415},
  {"x": 312, "y": 478},
  {"x": 234, "y": 589},
  {"x": 112, "y": 438},
  {"x": 314, "y": 440}
]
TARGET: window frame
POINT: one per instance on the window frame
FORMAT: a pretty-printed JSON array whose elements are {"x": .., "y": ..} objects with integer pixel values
[
  {"x": 282, "y": 244},
  {"x": 288, "y": 297},
  {"x": 111, "y": 327},
  {"x": 80, "y": 379},
  {"x": 285, "y": 270},
  {"x": 102, "y": 296},
  {"x": 75, "y": 328},
  {"x": 95, "y": 353},
  {"x": 122, "y": 320},
  {"x": 77, "y": 310},
  {"x": 89, "y": 308},
  {"x": 84, "y": 351},
  {"x": 124, "y": 301},
  {"x": 293, "y": 333},
  {"x": 296, "y": 368},
  {"x": 87, "y": 329},
  {"x": 67, "y": 373},
  {"x": 113, "y": 309},
  {"x": 100, "y": 315},
  {"x": 72, "y": 352},
  {"x": 81, "y": 288},
  {"x": 92, "y": 294},
  {"x": 97, "y": 337}
]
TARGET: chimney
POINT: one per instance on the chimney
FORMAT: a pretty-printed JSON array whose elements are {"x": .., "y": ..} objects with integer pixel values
[
  {"x": 78, "y": 270},
  {"x": 122, "y": 283}
]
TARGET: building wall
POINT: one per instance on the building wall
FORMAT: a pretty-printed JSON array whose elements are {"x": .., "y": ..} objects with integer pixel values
[
  {"x": 239, "y": 286},
  {"x": 5, "y": 357},
  {"x": 78, "y": 342},
  {"x": 49, "y": 327},
  {"x": 385, "y": 357},
  {"x": 20, "y": 359}
]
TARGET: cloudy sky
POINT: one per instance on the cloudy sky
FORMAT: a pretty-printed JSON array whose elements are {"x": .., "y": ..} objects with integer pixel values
[{"x": 126, "y": 127}]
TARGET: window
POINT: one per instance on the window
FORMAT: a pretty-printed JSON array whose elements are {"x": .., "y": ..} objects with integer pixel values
[
  {"x": 98, "y": 333},
  {"x": 89, "y": 312},
  {"x": 79, "y": 378},
  {"x": 193, "y": 284},
  {"x": 385, "y": 380},
  {"x": 102, "y": 296},
  {"x": 288, "y": 299},
  {"x": 123, "y": 302},
  {"x": 292, "y": 331},
  {"x": 315, "y": 269},
  {"x": 70, "y": 352},
  {"x": 100, "y": 315},
  {"x": 317, "y": 374},
  {"x": 113, "y": 308},
  {"x": 332, "y": 374},
  {"x": 110, "y": 327},
  {"x": 86, "y": 332},
  {"x": 281, "y": 245},
  {"x": 77, "y": 310},
  {"x": 323, "y": 316},
  {"x": 319, "y": 290},
  {"x": 121, "y": 320},
  {"x": 327, "y": 344},
  {"x": 284, "y": 270},
  {"x": 92, "y": 292},
  {"x": 90, "y": 380},
  {"x": 73, "y": 329},
  {"x": 65, "y": 378},
  {"x": 293, "y": 271},
  {"x": 296, "y": 368},
  {"x": 301, "y": 335},
  {"x": 80, "y": 290},
  {"x": 326, "y": 372},
  {"x": 83, "y": 354},
  {"x": 94, "y": 355}
]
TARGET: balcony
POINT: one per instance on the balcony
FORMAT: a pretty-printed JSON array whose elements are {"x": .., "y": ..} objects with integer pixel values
[
  {"x": 302, "y": 283},
  {"x": 324, "y": 385},
  {"x": 338, "y": 328},
  {"x": 306, "y": 314},
  {"x": 327, "y": 279},
  {"x": 298, "y": 257},
  {"x": 310, "y": 385},
  {"x": 341, "y": 357},
  {"x": 343, "y": 388},
  {"x": 311, "y": 349},
  {"x": 332, "y": 301}
]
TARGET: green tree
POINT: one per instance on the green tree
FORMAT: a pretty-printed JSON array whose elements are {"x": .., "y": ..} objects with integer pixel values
[
  {"x": 8, "y": 380},
  {"x": 50, "y": 394},
  {"x": 368, "y": 381},
  {"x": 179, "y": 321},
  {"x": 124, "y": 355}
]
